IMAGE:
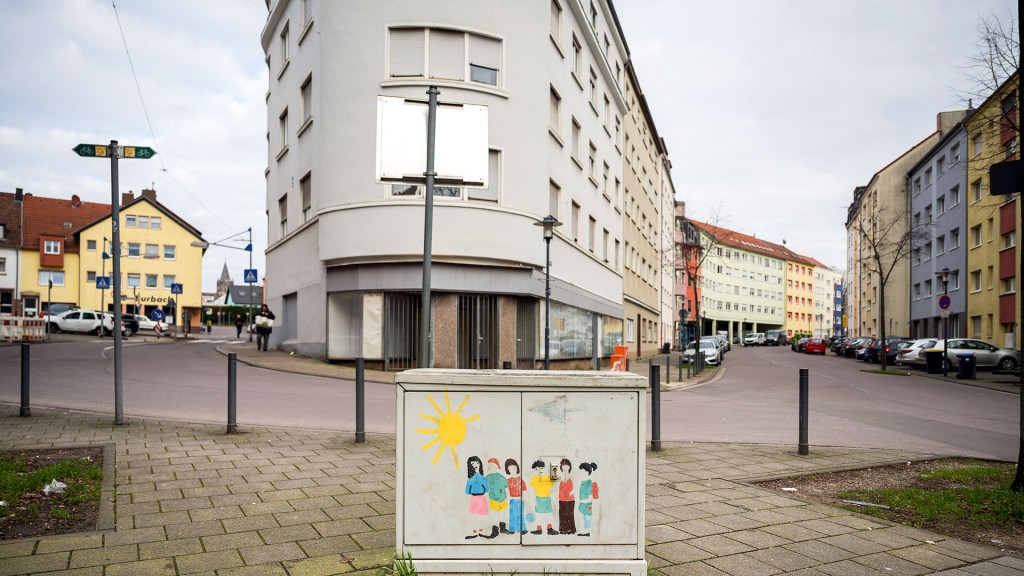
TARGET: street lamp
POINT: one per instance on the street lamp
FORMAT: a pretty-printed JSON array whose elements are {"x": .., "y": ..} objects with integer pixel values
[
  {"x": 248, "y": 248},
  {"x": 944, "y": 276},
  {"x": 549, "y": 223}
]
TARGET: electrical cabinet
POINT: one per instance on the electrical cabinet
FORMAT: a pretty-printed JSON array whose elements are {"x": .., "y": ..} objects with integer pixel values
[{"x": 521, "y": 471}]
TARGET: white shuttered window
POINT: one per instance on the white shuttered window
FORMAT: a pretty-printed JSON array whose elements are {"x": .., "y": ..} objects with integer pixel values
[
  {"x": 407, "y": 52},
  {"x": 447, "y": 55},
  {"x": 493, "y": 179}
]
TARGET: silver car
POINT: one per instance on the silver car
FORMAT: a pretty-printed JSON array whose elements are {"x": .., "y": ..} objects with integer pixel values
[
  {"x": 985, "y": 354},
  {"x": 708, "y": 349}
]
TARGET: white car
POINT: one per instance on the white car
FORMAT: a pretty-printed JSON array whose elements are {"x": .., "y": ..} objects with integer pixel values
[
  {"x": 85, "y": 321},
  {"x": 147, "y": 323},
  {"x": 912, "y": 354},
  {"x": 708, "y": 349}
]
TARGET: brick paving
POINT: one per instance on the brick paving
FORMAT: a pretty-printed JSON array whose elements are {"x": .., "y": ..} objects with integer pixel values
[{"x": 185, "y": 498}]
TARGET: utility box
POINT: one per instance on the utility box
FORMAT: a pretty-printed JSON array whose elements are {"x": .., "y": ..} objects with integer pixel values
[{"x": 525, "y": 472}]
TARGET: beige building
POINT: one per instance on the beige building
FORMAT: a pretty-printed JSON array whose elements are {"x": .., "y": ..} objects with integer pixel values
[
  {"x": 879, "y": 241},
  {"x": 641, "y": 224}
]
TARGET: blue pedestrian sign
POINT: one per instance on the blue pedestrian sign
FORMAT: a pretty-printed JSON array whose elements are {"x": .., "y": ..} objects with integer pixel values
[
  {"x": 103, "y": 282},
  {"x": 175, "y": 288},
  {"x": 157, "y": 314},
  {"x": 250, "y": 276}
]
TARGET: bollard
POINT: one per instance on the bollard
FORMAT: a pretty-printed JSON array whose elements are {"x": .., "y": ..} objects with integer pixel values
[
  {"x": 655, "y": 379},
  {"x": 360, "y": 401},
  {"x": 25, "y": 369},
  {"x": 668, "y": 369},
  {"x": 627, "y": 364},
  {"x": 802, "y": 448},
  {"x": 680, "y": 368},
  {"x": 232, "y": 392},
  {"x": 506, "y": 365}
]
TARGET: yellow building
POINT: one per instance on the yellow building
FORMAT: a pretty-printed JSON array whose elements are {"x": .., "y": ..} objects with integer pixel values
[
  {"x": 993, "y": 222},
  {"x": 156, "y": 252},
  {"x": 799, "y": 297}
]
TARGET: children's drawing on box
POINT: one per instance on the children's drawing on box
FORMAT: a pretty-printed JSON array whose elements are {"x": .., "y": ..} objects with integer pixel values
[
  {"x": 566, "y": 499},
  {"x": 516, "y": 488},
  {"x": 542, "y": 484},
  {"x": 497, "y": 491},
  {"x": 588, "y": 493},
  {"x": 476, "y": 487}
]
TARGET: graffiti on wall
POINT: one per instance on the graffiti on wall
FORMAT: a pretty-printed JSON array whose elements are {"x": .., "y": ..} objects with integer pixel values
[{"x": 450, "y": 430}]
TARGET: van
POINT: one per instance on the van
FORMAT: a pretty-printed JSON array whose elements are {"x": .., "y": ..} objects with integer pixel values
[
  {"x": 754, "y": 339},
  {"x": 775, "y": 337}
]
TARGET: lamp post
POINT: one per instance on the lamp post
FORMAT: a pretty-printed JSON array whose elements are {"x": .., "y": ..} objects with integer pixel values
[
  {"x": 548, "y": 223},
  {"x": 944, "y": 276},
  {"x": 248, "y": 248}
]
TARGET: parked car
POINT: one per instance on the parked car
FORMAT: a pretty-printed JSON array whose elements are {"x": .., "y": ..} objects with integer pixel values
[
  {"x": 985, "y": 354},
  {"x": 83, "y": 321},
  {"x": 837, "y": 345},
  {"x": 856, "y": 345},
  {"x": 724, "y": 343},
  {"x": 908, "y": 356},
  {"x": 893, "y": 350},
  {"x": 754, "y": 339},
  {"x": 873, "y": 351},
  {"x": 861, "y": 353},
  {"x": 815, "y": 346},
  {"x": 129, "y": 325},
  {"x": 799, "y": 344},
  {"x": 775, "y": 338},
  {"x": 711, "y": 353},
  {"x": 147, "y": 323}
]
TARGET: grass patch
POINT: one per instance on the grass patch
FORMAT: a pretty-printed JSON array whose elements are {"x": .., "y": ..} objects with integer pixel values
[
  {"x": 29, "y": 511},
  {"x": 887, "y": 372}
]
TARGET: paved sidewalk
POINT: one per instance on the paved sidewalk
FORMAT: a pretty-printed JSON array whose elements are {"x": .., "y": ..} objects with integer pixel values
[{"x": 188, "y": 499}]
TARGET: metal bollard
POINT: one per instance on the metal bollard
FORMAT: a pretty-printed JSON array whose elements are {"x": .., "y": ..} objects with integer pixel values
[
  {"x": 655, "y": 407},
  {"x": 232, "y": 393},
  {"x": 680, "y": 368},
  {"x": 668, "y": 369},
  {"x": 506, "y": 365},
  {"x": 25, "y": 371},
  {"x": 360, "y": 401},
  {"x": 627, "y": 364},
  {"x": 802, "y": 448}
]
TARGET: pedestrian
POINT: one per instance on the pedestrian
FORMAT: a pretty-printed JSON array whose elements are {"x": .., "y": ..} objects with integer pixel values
[
  {"x": 238, "y": 325},
  {"x": 209, "y": 326},
  {"x": 264, "y": 326}
]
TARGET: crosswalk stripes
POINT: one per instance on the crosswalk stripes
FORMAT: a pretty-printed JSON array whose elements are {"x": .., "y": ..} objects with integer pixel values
[{"x": 209, "y": 341}]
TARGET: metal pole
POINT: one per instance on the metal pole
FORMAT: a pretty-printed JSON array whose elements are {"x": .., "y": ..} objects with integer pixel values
[
  {"x": 232, "y": 393},
  {"x": 428, "y": 229},
  {"x": 547, "y": 305},
  {"x": 680, "y": 367},
  {"x": 249, "y": 307},
  {"x": 945, "y": 332},
  {"x": 655, "y": 379},
  {"x": 668, "y": 369},
  {"x": 25, "y": 371},
  {"x": 360, "y": 400},
  {"x": 802, "y": 448},
  {"x": 115, "y": 249}
]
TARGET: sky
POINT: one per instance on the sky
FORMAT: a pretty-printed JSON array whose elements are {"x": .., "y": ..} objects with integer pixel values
[{"x": 772, "y": 111}]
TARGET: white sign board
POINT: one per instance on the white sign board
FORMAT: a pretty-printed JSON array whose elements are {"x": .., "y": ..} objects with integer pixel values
[{"x": 460, "y": 142}]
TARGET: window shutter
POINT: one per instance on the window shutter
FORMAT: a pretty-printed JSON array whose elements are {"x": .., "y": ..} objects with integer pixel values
[
  {"x": 447, "y": 55},
  {"x": 493, "y": 184},
  {"x": 484, "y": 52},
  {"x": 406, "y": 52}
]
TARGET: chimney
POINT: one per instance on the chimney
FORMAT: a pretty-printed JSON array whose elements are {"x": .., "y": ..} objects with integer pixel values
[
  {"x": 149, "y": 193},
  {"x": 127, "y": 197},
  {"x": 19, "y": 195}
]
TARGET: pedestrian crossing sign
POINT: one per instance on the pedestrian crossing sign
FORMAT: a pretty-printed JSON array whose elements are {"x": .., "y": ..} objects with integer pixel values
[
  {"x": 103, "y": 282},
  {"x": 250, "y": 276}
]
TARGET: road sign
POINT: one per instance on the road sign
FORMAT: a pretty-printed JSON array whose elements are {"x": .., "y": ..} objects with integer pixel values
[
  {"x": 944, "y": 313},
  {"x": 103, "y": 282},
  {"x": 103, "y": 151},
  {"x": 250, "y": 276},
  {"x": 175, "y": 288},
  {"x": 157, "y": 314},
  {"x": 944, "y": 302}
]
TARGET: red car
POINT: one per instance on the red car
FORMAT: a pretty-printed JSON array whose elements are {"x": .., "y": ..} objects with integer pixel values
[{"x": 816, "y": 346}]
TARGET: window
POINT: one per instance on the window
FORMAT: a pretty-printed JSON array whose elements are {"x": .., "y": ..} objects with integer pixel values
[
  {"x": 593, "y": 89},
  {"x": 976, "y": 145},
  {"x": 170, "y": 252},
  {"x": 604, "y": 244},
  {"x": 928, "y": 251},
  {"x": 133, "y": 281},
  {"x": 976, "y": 190},
  {"x": 154, "y": 222},
  {"x": 556, "y": 21},
  {"x": 940, "y": 205},
  {"x": 493, "y": 179},
  {"x": 940, "y": 165},
  {"x": 90, "y": 245},
  {"x": 51, "y": 246},
  {"x": 45, "y": 276},
  {"x": 484, "y": 54},
  {"x": 976, "y": 236},
  {"x": 555, "y": 113},
  {"x": 130, "y": 222},
  {"x": 307, "y": 13},
  {"x": 152, "y": 251},
  {"x": 554, "y": 198},
  {"x": 90, "y": 276},
  {"x": 282, "y": 210},
  {"x": 305, "y": 186},
  {"x": 577, "y": 56},
  {"x": 168, "y": 280},
  {"x": 1009, "y": 285},
  {"x": 144, "y": 222},
  {"x": 927, "y": 288},
  {"x": 954, "y": 195},
  {"x": 917, "y": 291},
  {"x": 3, "y": 231},
  {"x": 283, "y": 129},
  {"x": 592, "y": 233},
  {"x": 917, "y": 186},
  {"x": 134, "y": 250},
  {"x": 954, "y": 280},
  {"x": 151, "y": 280},
  {"x": 575, "y": 221},
  {"x": 927, "y": 177},
  {"x": 940, "y": 245},
  {"x": 407, "y": 52},
  {"x": 306, "y": 92},
  {"x": 954, "y": 152},
  {"x": 1010, "y": 239},
  {"x": 954, "y": 238},
  {"x": 575, "y": 150},
  {"x": 593, "y": 161},
  {"x": 976, "y": 281},
  {"x": 449, "y": 55}
]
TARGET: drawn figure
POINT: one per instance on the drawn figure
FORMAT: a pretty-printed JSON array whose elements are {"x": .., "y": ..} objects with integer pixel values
[
  {"x": 566, "y": 500},
  {"x": 497, "y": 490},
  {"x": 588, "y": 493},
  {"x": 516, "y": 488},
  {"x": 476, "y": 487},
  {"x": 542, "y": 484}
]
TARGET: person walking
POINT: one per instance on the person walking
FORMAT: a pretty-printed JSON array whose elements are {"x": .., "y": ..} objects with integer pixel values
[
  {"x": 264, "y": 326},
  {"x": 238, "y": 325}
]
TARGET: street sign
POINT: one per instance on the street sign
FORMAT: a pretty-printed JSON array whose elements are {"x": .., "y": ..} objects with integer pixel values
[
  {"x": 103, "y": 151},
  {"x": 944, "y": 313},
  {"x": 157, "y": 314},
  {"x": 175, "y": 288},
  {"x": 103, "y": 282},
  {"x": 250, "y": 276},
  {"x": 944, "y": 302}
]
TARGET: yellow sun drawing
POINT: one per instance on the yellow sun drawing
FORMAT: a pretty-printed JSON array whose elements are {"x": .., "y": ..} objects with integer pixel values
[{"x": 451, "y": 428}]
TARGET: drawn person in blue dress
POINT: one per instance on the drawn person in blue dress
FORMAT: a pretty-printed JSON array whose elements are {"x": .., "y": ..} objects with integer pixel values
[
  {"x": 588, "y": 493},
  {"x": 476, "y": 487}
]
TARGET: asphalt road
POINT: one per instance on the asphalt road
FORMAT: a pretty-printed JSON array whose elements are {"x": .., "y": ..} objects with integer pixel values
[{"x": 756, "y": 400}]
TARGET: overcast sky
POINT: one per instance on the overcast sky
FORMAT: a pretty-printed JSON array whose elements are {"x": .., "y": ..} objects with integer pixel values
[{"x": 772, "y": 110}]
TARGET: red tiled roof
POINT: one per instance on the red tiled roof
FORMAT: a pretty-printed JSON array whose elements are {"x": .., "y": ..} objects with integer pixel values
[
  {"x": 58, "y": 217},
  {"x": 751, "y": 243}
]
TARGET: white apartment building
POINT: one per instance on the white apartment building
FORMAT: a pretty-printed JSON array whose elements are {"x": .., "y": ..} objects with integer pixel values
[
  {"x": 344, "y": 261},
  {"x": 825, "y": 282},
  {"x": 669, "y": 316}
]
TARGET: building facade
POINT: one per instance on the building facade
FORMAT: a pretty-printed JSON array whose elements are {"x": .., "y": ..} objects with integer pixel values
[
  {"x": 345, "y": 248},
  {"x": 827, "y": 283},
  {"x": 11, "y": 216},
  {"x": 799, "y": 296}
]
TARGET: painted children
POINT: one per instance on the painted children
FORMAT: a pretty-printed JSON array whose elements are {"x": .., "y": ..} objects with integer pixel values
[
  {"x": 542, "y": 484},
  {"x": 476, "y": 487},
  {"x": 588, "y": 493},
  {"x": 497, "y": 490},
  {"x": 566, "y": 499},
  {"x": 516, "y": 488}
]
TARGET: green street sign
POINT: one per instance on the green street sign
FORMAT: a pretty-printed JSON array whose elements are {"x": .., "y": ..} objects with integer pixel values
[{"x": 104, "y": 151}]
